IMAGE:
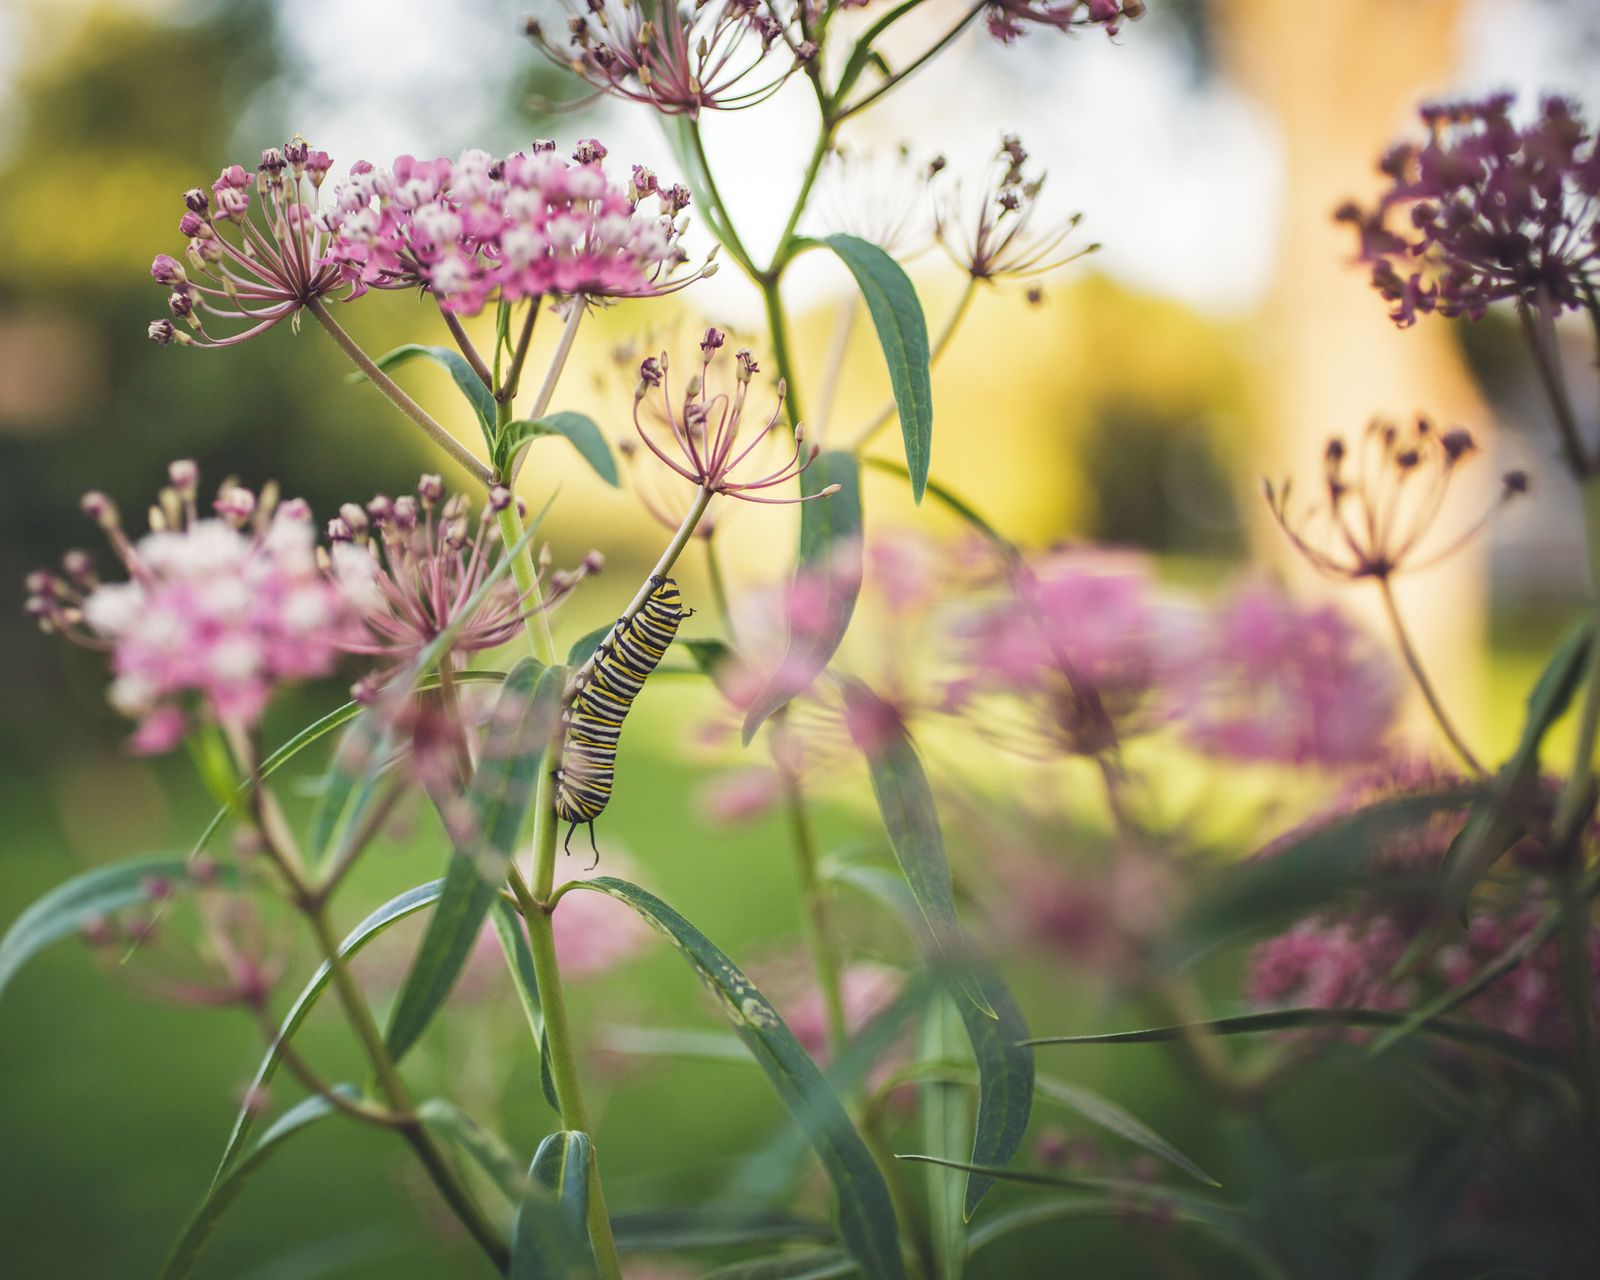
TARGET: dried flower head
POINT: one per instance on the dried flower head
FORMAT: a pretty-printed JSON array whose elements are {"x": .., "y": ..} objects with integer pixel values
[
  {"x": 413, "y": 565},
  {"x": 704, "y": 427},
  {"x": 1008, "y": 19},
  {"x": 529, "y": 225},
  {"x": 884, "y": 198},
  {"x": 993, "y": 238},
  {"x": 1378, "y": 509},
  {"x": 266, "y": 268},
  {"x": 221, "y": 609},
  {"x": 1484, "y": 211},
  {"x": 680, "y": 58}
]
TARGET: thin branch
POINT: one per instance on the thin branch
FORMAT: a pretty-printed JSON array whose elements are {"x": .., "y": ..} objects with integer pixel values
[
  {"x": 459, "y": 333},
  {"x": 1424, "y": 685}
]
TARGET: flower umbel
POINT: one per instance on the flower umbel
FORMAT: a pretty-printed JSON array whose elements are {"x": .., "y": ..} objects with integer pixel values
[
  {"x": 412, "y": 565},
  {"x": 681, "y": 59},
  {"x": 223, "y": 608},
  {"x": 705, "y": 427},
  {"x": 269, "y": 270},
  {"x": 528, "y": 225},
  {"x": 1486, "y": 211},
  {"x": 994, "y": 238},
  {"x": 1373, "y": 523}
]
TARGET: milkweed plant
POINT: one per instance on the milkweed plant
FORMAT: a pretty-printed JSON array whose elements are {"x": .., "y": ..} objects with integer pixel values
[{"x": 1429, "y": 926}]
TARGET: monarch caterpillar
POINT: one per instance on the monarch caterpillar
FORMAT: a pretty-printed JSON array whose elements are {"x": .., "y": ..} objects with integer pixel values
[{"x": 621, "y": 664}]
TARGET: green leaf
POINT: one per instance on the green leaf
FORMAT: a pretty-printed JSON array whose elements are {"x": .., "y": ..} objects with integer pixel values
[
  {"x": 578, "y": 429},
  {"x": 513, "y": 938},
  {"x": 708, "y": 655},
  {"x": 1433, "y": 1189},
  {"x": 230, "y": 1182},
  {"x": 1473, "y": 1034},
  {"x": 866, "y": 1214},
  {"x": 491, "y": 1154},
  {"x": 830, "y": 554},
  {"x": 1116, "y": 1119},
  {"x": 549, "y": 1240},
  {"x": 676, "y": 1042},
  {"x": 467, "y": 382},
  {"x": 1496, "y": 823},
  {"x": 680, "y": 1228},
  {"x": 584, "y": 646},
  {"x": 69, "y": 907},
  {"x": 822, "y": 1264},
  {"x": 903, "y": 335},
  {"x": 946, "y": 1121},
  {"x": 1301, "y": 873},
  {"x": 502, "y": 790},
  {"x": 1005, "y": 1063},
  {"x": 905, "y": 802},
  {"x": 396, "y": 909}
]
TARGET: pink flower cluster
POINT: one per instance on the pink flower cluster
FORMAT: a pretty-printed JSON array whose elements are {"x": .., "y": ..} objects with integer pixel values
[
  {"x": 1273, "y": 681},
  {"x": 223, "y": 608},
  {"x": 532, "y": 224}
]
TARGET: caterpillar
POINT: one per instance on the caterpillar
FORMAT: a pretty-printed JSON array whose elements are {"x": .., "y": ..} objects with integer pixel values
[{"x": 622, "y": 662}]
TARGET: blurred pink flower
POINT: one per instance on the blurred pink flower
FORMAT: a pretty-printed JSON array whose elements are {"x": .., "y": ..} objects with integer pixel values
[
  {"x": 1269, "y": 680},
  {"x": 742, "y": 795},
  {"x": 224, "y": 608},
  {"x": 867, "y": 990},
  {"x": 594, "y": 932},
  {"x": 1008, "y": 19}
]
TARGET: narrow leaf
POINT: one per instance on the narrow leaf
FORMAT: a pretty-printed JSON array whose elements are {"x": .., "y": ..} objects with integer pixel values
[
  {"x": 903, "y": 334},
  {"x": 1113, "y": 1118},
  {"x": 830, "y": 562},
  {"x": 396, "y": 909},
  {"x": 699, "y": 1226},
  {"x": 549, "y": 1240},
  {"x": 676, "y": 1042},
  {"x": 1300, "y": 873},
  {"x": 1468, "y": 1033},
  {"x": 513, "y": 938},
  {"x": 197, "y": 1233},
  {"x": 584, "y": 646},
  {"x": 69, "y": 907},
  {"x": 905, "y": 801},
  {"x": 491, "y": 1154},
  {"x": 467, "y": 382},
  {"x": 579, "y": 430},
  {"x": 502, "y": 790},
  {"x": 823, "y": 1264},
  {"x": 866, "y": 1214}
]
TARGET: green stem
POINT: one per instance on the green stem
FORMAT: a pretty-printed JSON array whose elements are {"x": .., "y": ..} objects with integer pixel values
[
  {"x": 721, "y": 223},
  {"x": 1540, "y": 337},
  {"x": 915, "y": 64},
  {"x": 420, "y": 416},
  {"x": 814, "y": 920},
  {"x": 558, "y": 361},
  {"x": 780, "y": 349},
  {"x": 507, "y": 391},
  {"x": 458, "y": 331},
  {"x": 526, "y": 576},
  {"x": 719, "y": 586},
  {"x": 1424, "y": 685},
  {"x": 906, "y": 1208}
]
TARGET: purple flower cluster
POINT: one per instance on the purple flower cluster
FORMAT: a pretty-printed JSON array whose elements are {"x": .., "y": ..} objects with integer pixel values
[
  {"x": 1486, "y": 210},
  {"x": 531, "y": 224},
  {"x": 1008, "y": 19},
  {"x": 222, "y": 608},
  {"x": 681, "y": 59}
]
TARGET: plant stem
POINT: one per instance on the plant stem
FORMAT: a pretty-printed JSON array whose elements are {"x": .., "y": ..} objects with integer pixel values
[
  {"x": 915, "y": 64},
  {"x": 814, "y": 920},
  {"x": 780, "y": 349},
  {"x": 1547, "y": 363},
  {"x": 526, "y": 576},
  {"x": 507, "y": 392},
  {"x": 558, "y": 361},
  {"x": 723, "y": 224},
  {"x": 1424, "y": 685},
  {"x": 463, "y": 456},
  {"x": 829, "y": 385},
  {"x": 470, "y": 352},
  {"x": 719, "y": 587}
]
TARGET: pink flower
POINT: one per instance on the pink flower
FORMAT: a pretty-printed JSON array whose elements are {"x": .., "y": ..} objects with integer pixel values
[
  {"x": 526, "y": 226},
  {"x": 223, "y": 609},
  {"x": 595, "y": 933},
  {"x": 272, "y": 265},
  {"x": 681, "y": 59},
  {"x": 1007, "y": 19},
  {"x": 741, "y": 796},
  {"x": 866, "y": 990},
  {"x": 1269, "y": 680}
]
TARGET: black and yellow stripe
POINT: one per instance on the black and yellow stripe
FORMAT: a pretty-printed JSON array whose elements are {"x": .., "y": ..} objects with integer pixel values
[{"x": 623, "y": 662}]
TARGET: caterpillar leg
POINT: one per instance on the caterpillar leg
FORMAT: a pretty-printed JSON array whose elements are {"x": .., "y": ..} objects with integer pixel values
[
  {"x": 566, "y": 845},
  {"x": 593, "y": 846}
]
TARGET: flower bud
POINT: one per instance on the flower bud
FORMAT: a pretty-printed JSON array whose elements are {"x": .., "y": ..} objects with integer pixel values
[
  {"x": 499, "y": 498},
  {"x": 197, "y": 202},
  {"x": 184, "y": 476},
  {"x": 431, "y": 490},
  {"x": 167, "y": 270},
  {"x": 100, "y": 509}
]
